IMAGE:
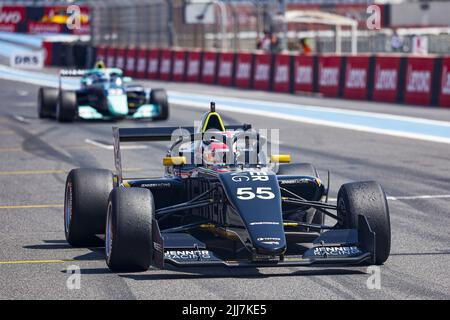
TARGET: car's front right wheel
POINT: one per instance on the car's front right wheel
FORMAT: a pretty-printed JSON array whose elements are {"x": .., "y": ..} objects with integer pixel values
[
  {"x": 128, "y": 238},
  {"x": 367, "y": 198}
]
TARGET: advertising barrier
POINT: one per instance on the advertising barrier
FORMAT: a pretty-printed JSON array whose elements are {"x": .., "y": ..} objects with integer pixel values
[
  {"x": 110, "y": 57},
  {"x": 225, "y": 68},
  {"x": 423, "y": 80},
  {"x": 304, "y": 71},
  {"x": 121, "y": 54},
  {"x": 262, "y": 71},
  {"x": 141, "y": 63},
  {"x": 386, "y": 78},
  {"x": 356, "y": 84},
  {"x": 243, "y": 70},
  {"x": 193, "y": 66},
  {"x": 444, "y": 94},
  {"x": 329, "y": 75},
  {"x": 153, "y": 64},
  {"x": 209, "y": 65},
  {"x": 130, "y": 62},
  {"x": 282, "y": 73},
  {"x": 165, "y": 65},
  {"x": 418, "y": 82},
  {"x": 179, "y": 63}
]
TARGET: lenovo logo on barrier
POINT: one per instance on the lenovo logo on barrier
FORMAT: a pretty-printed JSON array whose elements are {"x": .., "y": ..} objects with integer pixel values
[
  {"x": 243, "y": 71},
  {"x": 165, "y": 66},
  {"x": 445, "y": 81},
  {"x": 386, "y": 79},
  {"x": 209, "y": 67},
  {"x": 329, "y": 77},
  {"x": 12, "y": 17},
  {"x": 356, "y": 79},
  {"x": 418, "y": 81},
  {"x": 304, "y": 75},
  {"x": 282, "y": 74},
  {"x": 262, "y": 72},
  {"x": 193, "y": 67},
  {"x": 178, "y": 66},
  {"x": 225, "y": 69},
  {"x": 141, "y": 65}
]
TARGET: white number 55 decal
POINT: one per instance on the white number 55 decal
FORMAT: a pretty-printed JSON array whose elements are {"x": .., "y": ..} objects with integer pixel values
[{"x": 264, "y": 193}]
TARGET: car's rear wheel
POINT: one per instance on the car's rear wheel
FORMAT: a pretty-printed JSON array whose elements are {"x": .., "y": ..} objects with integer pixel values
[
  {"x": 85, "y": 205},
  {"x": 128, "y": 238},
  {"x": 47, "y": 100},
  {"x": 66, "y": 109},
  {"x": 367, "y": 199},
  {"x": 159, "y": 97},
  {"x": 304, "y": 169}
]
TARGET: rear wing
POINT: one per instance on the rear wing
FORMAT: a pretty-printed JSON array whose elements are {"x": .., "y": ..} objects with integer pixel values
[{"x": 154, "y": 135}]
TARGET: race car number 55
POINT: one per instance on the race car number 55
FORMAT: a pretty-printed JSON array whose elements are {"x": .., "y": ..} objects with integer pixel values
[{"x": 264, "y": 193}]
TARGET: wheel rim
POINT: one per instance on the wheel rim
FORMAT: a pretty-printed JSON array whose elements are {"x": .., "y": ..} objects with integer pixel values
[
  {"x": 109, "y": 233},
  {"x": 68, "y": 208}
]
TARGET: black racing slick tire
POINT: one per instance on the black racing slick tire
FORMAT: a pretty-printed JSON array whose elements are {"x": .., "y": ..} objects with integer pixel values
[
  {"x": 85, "y": 205},
  {"x": 128, "y": 238},
  {"x": 47, "y": 100},
  {"x": 367, "y": 199},
  {"x": 304, "y": 169},
  {"x": 67, "y": 108},
  {"x": 159, "y": 97}
]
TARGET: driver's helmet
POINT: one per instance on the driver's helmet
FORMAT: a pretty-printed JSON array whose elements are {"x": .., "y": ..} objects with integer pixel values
[{"x": 215, "y": 152}]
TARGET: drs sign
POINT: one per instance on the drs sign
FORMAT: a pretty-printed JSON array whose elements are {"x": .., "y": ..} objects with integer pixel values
[{"x": 27, "y": 60}]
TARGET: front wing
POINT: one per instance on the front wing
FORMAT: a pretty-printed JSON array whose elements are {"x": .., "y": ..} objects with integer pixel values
[{"x": 337, "y": 247}]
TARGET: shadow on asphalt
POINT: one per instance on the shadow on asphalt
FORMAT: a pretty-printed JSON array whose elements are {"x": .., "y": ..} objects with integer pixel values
[
  {"x": 96, "y": 253},
  {"x": 217, "y": 272}
]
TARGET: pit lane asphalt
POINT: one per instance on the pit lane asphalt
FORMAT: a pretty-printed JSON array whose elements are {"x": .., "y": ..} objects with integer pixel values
[{"x": 36, "y": 154}]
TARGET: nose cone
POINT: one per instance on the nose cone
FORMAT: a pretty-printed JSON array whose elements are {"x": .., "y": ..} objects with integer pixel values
[
  {"x": 268, "y": 239},
  {"x": 271, "y": 248}
]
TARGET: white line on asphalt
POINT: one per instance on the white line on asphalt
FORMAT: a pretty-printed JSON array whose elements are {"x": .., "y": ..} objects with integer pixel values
[
  {"x": 111, "y": 147},
  {"x": 423, "y": 197},
  {"x": 355, "y": 127}
]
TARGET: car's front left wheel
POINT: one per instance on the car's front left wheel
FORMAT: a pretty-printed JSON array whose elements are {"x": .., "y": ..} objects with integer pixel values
[{"x": 85, "y": 205}]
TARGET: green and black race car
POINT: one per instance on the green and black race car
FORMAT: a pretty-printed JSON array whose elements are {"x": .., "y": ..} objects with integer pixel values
[{"x": 104, "y": 94}]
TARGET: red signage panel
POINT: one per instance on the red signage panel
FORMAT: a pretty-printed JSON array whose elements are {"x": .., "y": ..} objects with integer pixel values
[
  {"x": 356, "y": 77},
  {"x": 179, "y": 62},
  {"x": 153, "y": 63},
  {"x": 165, "y": 65},
  {"x": 130, "y": 64},
  {"x": 261, "y": 72},
  {"x": 444, "y": 92},
  {"x": 243, "y": 70},
  {"x": 141, "y": 63},
  {"x": 329, "y": 75},
  {"x": 120, "y": 58},
  {"x": 209, "y": 67},
  {"x": 386, "y": 75},
  {"x": 111, "y": 57},
  {"x": 282, "y": 73},
  {"x": 193, "y": 66},
  {"x": 304, "y": 73},
  {"x": 419, "y": 77},
  {"x": 225, "y": 68}
]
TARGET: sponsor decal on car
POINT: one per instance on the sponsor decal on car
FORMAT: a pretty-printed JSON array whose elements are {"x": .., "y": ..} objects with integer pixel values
[
  {"x": 336, "y": 251},
  {"x": 188, "y": 254}
]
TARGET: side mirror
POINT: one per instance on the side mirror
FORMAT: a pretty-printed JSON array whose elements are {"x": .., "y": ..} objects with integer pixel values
[
  {"x": 280, "y": 158},
  {"x": 174, "y": 161}
]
